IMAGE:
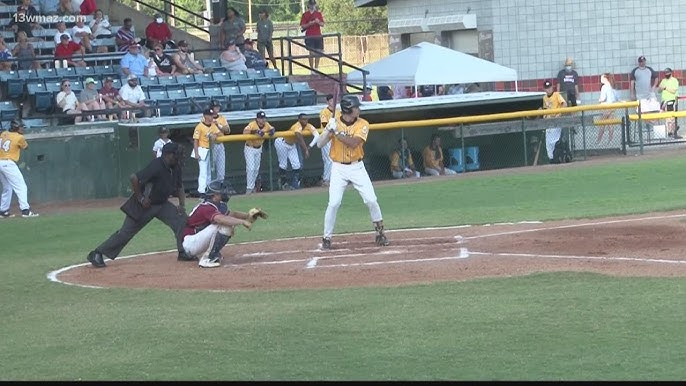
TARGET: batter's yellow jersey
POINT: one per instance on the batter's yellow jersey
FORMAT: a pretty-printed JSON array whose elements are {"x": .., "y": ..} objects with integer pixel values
[
  {"x": 11, "y": 145},
  {"x": 344, "y": 154},
  {"x": 554, "y": 101},
  {"x": 221, "y": 121},
  {"x": 202, "y": 134},
  {"x": 326, "y": 114},
  {"x": 298, "y": 128},
  {"x": 252, "y": 128},
  {"x": 433, "y": 159}
]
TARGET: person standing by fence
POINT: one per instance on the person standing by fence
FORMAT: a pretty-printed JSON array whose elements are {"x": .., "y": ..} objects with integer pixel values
[{"x": 265, "y": 33}]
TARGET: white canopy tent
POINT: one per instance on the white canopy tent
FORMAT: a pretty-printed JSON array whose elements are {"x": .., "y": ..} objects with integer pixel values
[{"x": 431, "y": 64}]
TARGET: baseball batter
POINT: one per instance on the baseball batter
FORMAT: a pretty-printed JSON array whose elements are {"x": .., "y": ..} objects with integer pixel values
[
  {"x": 324, "y": 116},
  {"x": 12, "y": 142},
  {"x": 286, "y": 151},
  {"x": 210, "y": 225},
  {"x": 253, "y": 149},
  {"x": 347, "y": 135},
  {"x": 204, "y": 131},
  {"x": 218, "y": 151}
]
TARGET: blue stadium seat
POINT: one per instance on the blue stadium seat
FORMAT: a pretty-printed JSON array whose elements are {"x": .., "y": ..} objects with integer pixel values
[
  {"x": 248, "y": 89},
  {"x": 15, "y": 88},
  {"x": 194, "y": 91},
  {"x": 227, "y": 83},
  {"x": 210, "y": 63},
  {"x": 200, "y": 103},
  {"x": 43, "y": 102},
  {"x": 245, "y": 82},
  {"x": 182, "y": 106},
  {"x": 35, "y": 87},
  {"x": 185, "y": 79},
  {"x": 307, "y": 98},
  {"x": 209, "y": 84},
  {"x": 300, "y": 86},
  {"x": 8, "y": 111},
  {"x": 53, "y": 87},
  {"x": 200, "y": 78},
  {"x": 148, "y": 80},
  {"x": 279, "y": 79},
  {"x": 282, "y": 87},
  {"x": 223, "y": 101},
  {"x": 271, "y": 73},
  {"x": 30, "y": 73},
  {"x": 289, "y": 98},
  {"x": 212, "y": 91},
  {"x": 47, "y": 73},
  {"x": 177, "y": 94},
  {"x": 254, "y": 74},
  {"x": 154, "y": 87},
  {"x": 261, "y": 81},
  {"x": 265, "y": 88},
  {"x": 174, "y": 87},
  {"x": 4, "y": 75},
  {"x": 106, "y": 69},
  {"x": 272, "y": 100},
  {"x": 237, "y": 102},
  {"x": 156, "y": 95},
  {"x": 76, "y": 85},
  {"x": 31, "y": 81},
  {"x": 221, "y": 76},
  {"x": 83, "y": 70},
  {"x": 254, "y": 102},
  {"x": 230, "y": 90},
  {"x": 65, "y": 71},
  {"x": 165, "y": 107},
  {"x": 238, "y": 75},
  {"x": 165, "y": 80}
]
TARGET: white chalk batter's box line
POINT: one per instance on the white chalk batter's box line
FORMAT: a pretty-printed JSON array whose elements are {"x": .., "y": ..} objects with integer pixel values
[{"x": 53, "y": 275}]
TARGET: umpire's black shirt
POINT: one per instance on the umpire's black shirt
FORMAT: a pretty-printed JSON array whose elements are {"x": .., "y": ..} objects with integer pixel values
[{"x": 165, "y": 180}]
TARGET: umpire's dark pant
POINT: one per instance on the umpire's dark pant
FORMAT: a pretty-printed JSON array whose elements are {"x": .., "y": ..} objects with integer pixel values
[{"x": 167, "y": 213}]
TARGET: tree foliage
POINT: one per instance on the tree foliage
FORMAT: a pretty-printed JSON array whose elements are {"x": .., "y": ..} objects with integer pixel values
[{"x": 342, "y": 16}]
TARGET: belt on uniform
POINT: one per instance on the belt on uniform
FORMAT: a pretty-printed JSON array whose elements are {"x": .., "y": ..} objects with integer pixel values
[
  {"x": 255, "y": 147},
  {"x": 350, "y": 163}
]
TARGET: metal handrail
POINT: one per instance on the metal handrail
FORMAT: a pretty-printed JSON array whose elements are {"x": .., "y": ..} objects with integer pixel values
[{"x": 183, "y": 21}]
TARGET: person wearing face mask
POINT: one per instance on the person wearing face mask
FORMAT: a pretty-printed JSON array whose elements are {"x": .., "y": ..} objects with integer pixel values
[
  {"x": 669, "y": 86},
  {"x": 552, "y": 100},
  {"x": 568, "y": 83},
  {"x": 157, "y": 32}
]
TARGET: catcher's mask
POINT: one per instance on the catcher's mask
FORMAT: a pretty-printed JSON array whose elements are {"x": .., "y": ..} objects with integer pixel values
[
  {"x": 348, "y": 102},
  {"x": 219, "y": 187}
]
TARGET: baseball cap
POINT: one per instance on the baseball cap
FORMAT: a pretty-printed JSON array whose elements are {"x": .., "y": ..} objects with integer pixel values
[
  {"x": 641, "y": 58},
  {"x": 215, "y": 103},
  {"x": 668, "y": 70},
  {"x": 64, "y": 37},
  {"x": 547, "y": 84},
  {"x": 131, "y": 77},
  {"x": 261, "y": 114},
  {"x": 182, "y": 43},
  {"x": 158, "y": 16},
  {"x": 109, "y": 79},
  {"x": 164, "y": 129},
  {"x": 171, "y": 147},
  {"x": 208, "y": 111},
  {"x": 89, "y": 80}
]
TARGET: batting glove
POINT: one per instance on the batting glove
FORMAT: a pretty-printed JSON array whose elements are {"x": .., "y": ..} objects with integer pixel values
[
  {"x": 272, "y": 131},
  {"x": 332, "y": 125}
]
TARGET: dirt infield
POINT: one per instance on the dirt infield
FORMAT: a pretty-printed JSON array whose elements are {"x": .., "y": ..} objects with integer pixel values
[{"x": 645, "y": 245}]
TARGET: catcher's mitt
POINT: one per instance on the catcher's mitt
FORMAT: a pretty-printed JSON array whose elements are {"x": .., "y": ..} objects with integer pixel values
[{"x": 254, "y": 213}]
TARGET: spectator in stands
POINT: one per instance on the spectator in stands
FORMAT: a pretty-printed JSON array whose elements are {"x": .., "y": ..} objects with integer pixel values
[
  {"x": 165, "y": 64},
  {"x": 157, "y": 32},
  {"x": 126, "y": 36},
  {"x": 100, "y": 25},
  {"x": 385, "y": 93},
  {"x": 61, "y": 30},
  {"x": 232, "y": 58},
  {"x": 440, "y": 89},
  {"x": 131, "y": 95},
  {"x": 65, "y": 8},
  {"x": 5, "y": 56},
  {"x": 184, "y": 62},
  {"x": 311, "y": 23},
  {"x": 253, "y": 59},
  {"x": 110, "y": 95},
  {"x": 367, "y": 94},
  {"x": 91, "y": 100},
  {"x": 87, "y": 7},
  {"x": 402, "y": 164},
  {"x": 265, "y": 32},
  {"x": 48, "y": 7},
  {"x": 455, "y": 89},
  {"x": 66, "y": 50},
  {"x": 473, "y": 87},
  {"x": 133, "y": 62},
  {"x": 433, "y": 158},
  {"x": 20, "y": 22},
  {"x": 25, "y": 53},
  {"x": 31, "y": 13},
  {"x": 82, "y": 34},
  {"x": 66, "y": 100},
  {"x": 150, "y": 67},
  {"x": 232, "y": 28}
]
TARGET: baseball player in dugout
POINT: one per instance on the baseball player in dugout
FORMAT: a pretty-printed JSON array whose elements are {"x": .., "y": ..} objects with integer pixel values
[
  {"x": 253, "y": 149},
  {"x": 204, "y": 132},
  {"x": 347, "y": 135},
  {"x": 211, "y": 224},
  {"x": 152, "y": 187},
  {"x": 324, "y": 116},
  {"x": 12, "y": 142},
  {"x": 286, "y": 151},
  {"x": 218, "y": 151}
]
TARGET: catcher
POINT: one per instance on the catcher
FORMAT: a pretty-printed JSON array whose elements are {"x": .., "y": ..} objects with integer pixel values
[{"x": 211, "y": 224}]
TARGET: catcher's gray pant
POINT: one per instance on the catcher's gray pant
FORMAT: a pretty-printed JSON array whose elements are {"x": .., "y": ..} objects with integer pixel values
[
  {"x": 167, "y": 213},
  {"x": 219, "y": 160}
]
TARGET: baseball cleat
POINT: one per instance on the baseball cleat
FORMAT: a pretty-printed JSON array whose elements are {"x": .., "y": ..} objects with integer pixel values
[
  {"x": 95, "y": 258},
  {"x": 382, "y": 241},
  {"x": 326, "y": 243},
  {"x": 6, "y": 214},
  {"x": 207, "y": 263},
  {"x": 26, "y": 213}
]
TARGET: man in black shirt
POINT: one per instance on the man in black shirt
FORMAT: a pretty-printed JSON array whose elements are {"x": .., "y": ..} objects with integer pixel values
[
  {"x": 152, "y": 187},
  {"x": 568, "y": 83}
]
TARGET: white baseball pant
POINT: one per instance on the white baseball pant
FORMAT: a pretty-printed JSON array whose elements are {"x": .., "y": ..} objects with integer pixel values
[
  {"x": 12, "y": 179},
  {"x": 326, "y": 158},
  {"x": 219, "y": 160},
  {"x": 253, "y": 157},
  {"x": 200, "y": 244},
  {"x": 341, "y": 175},
  {"x": 286, "y": 152},
  {"x": 552, "y": 135},
  {"x": 203, "y": 169}
]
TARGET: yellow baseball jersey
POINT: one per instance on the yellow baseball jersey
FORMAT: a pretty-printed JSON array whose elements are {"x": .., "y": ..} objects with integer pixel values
[
  {"x": 554, "y": 101},
  {"x": 343, "y": 154},
  {"x": 11, "y": 145},
  {"x": 202, "y": 134},
  {"x": 433, "y": 159},
  {"x": 221, "y": 122},
  {"x": 297, "y": 128},
  {"x": 395, "y": 161},
  {"x": 252, "y": 128},
  {"x": 325, "y": 115}
]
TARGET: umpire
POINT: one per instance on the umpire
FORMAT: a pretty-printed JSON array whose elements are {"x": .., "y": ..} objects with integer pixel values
[{"x": 152, "y": 187}]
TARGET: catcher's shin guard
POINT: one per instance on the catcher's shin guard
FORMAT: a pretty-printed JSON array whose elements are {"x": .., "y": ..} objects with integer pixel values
[{"x": 220, "y": 241}]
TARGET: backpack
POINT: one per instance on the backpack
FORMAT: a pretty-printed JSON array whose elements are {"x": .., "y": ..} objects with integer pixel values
[{"x": 561, "y": 153}]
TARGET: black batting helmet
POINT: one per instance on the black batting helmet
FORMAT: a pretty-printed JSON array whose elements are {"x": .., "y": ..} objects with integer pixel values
[
  {"x": 219, "y": 187},
  {"x": 16, "y": 124},
  {"x": 348, "y": 102}
]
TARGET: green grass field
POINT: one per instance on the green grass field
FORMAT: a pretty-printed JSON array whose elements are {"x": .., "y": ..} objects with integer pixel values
[{"x": 553, "y": 326}]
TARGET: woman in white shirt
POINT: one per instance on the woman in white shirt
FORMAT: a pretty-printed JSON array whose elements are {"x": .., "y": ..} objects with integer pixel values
[
  {"x": 101, "y": 29},
  {"x": 607, "y": 95},
  {"x": 232, "y": 58},
  {"x": 67, "y": 101}
]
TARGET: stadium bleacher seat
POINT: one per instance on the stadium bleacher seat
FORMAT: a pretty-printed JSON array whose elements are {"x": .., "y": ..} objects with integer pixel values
[
  {"x": 173, "y": 87},
  {"x": 212, "y": 91},
  {"x": 200, "y": 78},
  {"x": 245, "y": 82},
  {"x": 254, "y": 102},
  {"x": 32, "y": 88},
  {"x": 148, "y": 80},
  {"x": 53, "y": 87},
  {"x": 254, "y": 74},
  {"x": 230, "y": 90},
  {"x": 47, "y": 73},
  {"x": 64, "y": 71},
  {"x": 238, "y": 75},
  {"x": 237, "y": 102},
  {"x": 282, "y": 87},
  {"x": 76, "y": 85},
  {"x": 182, "y": 106},
  {"x": 265, "y": 88},
  {"x": 223, "y": 101},
  {"x": 165, "y": 80},
  {"x": 84, "y": 71},
  {"x": 200, "y": 103},
  {"x": 307, "y": 97},
  {"x": 154, "y": 87},
  {"x": 271, "y": 73},
  {"x": 210, "y": 84},
  {"x": 300, "y": 86},
  {"x": 210, "y": 63},
  {"x": 221, "y": 76},
  {"x": 272, "y": 100},
  {"x": 289, "y": 98},
  {"x": 227, "y": 83},
  {"x": 15, "y": 88},
  {"x": 156, "y": 95},
  {"x": 194, "y": 90},
  {"x": 248, "y": 89},
  {"x": 176, "y": 94},
  {"x": 185, "y": 79},
  {"x": 23, "y": 74},
  {"x": 4, "y": 75},
  {"x": 43, "y": 101},
  {"x": 8, "y": 111},
  {"x": 259, "y": 81}
]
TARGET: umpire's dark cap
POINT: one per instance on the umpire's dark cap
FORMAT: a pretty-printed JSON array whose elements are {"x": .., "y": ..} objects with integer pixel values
[{"x": 171, "y": 147}]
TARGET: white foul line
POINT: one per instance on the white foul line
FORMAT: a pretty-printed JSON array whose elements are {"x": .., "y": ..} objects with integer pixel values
[{"x": 582, "y": 257}]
